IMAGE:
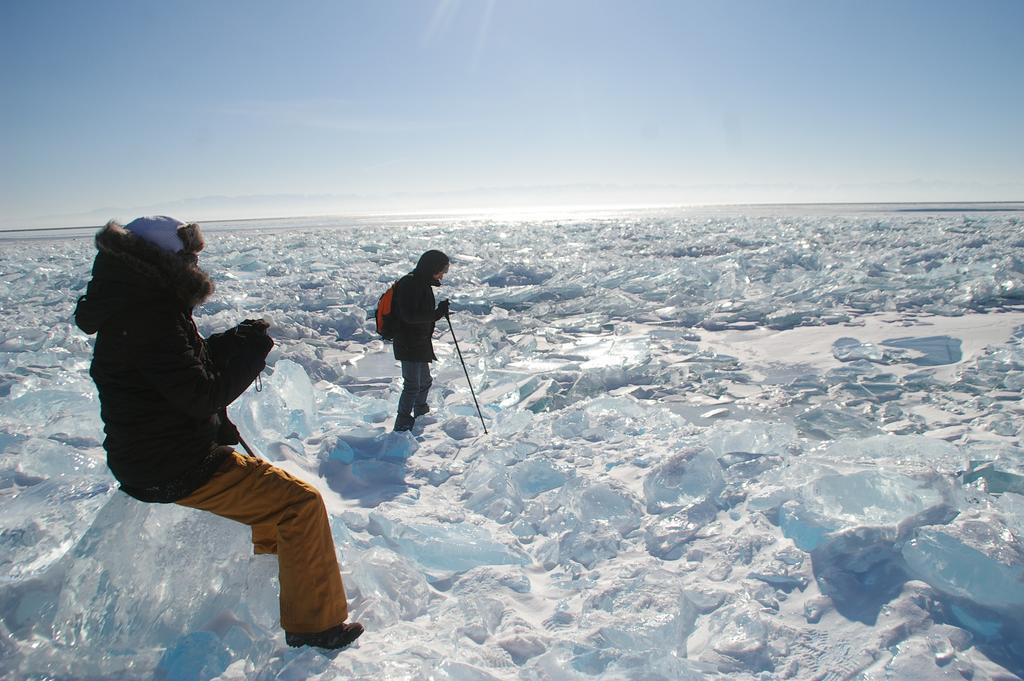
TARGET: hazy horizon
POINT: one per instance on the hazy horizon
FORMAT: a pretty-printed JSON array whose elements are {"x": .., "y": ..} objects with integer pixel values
[{"x": 239, "y": 209}]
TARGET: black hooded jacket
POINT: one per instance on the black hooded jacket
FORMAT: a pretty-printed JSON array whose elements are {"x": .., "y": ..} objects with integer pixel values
[
  {"x": 163, "y": 389},
  {"x": 416, "y": 309}
]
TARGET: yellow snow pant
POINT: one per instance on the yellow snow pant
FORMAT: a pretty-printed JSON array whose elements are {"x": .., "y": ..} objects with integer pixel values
[{"x": 287, "y": 517}]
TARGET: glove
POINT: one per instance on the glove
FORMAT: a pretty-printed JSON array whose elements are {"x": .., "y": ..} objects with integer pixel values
[
  {"x": 251, "y": 326},
  {"x": 248, "y": 342},
  {"x": 254, "y": 333},
  {"x": 442, "y": 308},
  {"x": 261, "y": 343}
]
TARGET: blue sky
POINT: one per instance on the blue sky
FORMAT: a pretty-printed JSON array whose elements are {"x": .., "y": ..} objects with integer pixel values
[{"x": 225, "y": 108}]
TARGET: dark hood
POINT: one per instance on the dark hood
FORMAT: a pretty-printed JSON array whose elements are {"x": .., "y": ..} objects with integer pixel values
[
  {"x": 430, "y": 263},
  {"x": 130, "y": 272}
]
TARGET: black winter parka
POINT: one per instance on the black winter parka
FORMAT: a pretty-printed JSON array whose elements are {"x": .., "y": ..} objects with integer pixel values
[
  {"x": 163, "y": 389},
  {"x": 416, "y": 309}
]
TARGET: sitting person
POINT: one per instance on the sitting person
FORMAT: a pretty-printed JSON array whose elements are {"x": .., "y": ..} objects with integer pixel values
[{"x": 164, "y": 392}]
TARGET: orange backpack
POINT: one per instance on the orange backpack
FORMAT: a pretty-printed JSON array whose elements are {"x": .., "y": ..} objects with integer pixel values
[{"x": 387, "y": 320}]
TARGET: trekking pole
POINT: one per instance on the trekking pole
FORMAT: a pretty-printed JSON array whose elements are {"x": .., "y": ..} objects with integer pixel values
[
  {"x": 245, "y": 446},
  {"x": 241, "y": 440},
  {"x": 471, "y": 391}
]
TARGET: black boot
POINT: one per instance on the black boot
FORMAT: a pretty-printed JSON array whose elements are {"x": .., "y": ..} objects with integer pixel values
[
  {"x": 332, "y": 639},
  {"x": 403, "y": 422},
  {"x": 420, "y": 409}
]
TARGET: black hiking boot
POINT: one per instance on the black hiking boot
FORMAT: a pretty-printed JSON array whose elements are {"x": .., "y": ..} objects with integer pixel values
[
  {"x": 404, "y": 423},
  {"x": 334, "y": 638},
  {"x": 420, "y": 410}
]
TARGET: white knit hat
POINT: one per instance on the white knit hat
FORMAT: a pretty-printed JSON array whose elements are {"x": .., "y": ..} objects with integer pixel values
[{"x": 159, "y": 230}]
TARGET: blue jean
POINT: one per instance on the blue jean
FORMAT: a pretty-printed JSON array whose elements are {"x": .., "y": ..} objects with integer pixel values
[{"x": 416, "y": 384}]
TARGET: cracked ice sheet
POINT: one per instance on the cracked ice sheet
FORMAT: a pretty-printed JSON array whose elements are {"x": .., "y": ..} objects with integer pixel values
[{"x": 811, "y": 346}]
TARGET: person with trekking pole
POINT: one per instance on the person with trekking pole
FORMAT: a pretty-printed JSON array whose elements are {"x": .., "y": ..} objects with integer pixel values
[
  {"x": 417, "y": 313},
  {"x": 164, "y": 392}
]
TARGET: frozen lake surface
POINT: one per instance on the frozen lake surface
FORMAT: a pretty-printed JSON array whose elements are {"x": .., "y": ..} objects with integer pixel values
[{"x": 748, "y": 444}]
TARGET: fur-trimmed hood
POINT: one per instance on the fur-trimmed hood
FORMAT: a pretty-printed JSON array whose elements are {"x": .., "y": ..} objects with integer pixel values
[{"x": 130, "y": 271}]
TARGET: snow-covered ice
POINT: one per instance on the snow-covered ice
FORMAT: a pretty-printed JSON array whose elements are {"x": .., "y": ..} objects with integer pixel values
[{"x": 735, "y": 444}]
